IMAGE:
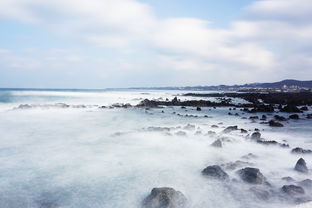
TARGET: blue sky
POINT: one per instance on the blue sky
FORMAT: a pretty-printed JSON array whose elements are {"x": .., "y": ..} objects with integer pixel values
[{"x": 131, "y": 43}]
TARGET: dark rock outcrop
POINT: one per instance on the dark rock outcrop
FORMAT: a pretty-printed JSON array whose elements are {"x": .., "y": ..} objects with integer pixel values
[
  {"x": 301, "y": 166},
  {"x": 251, "y": 175},
  {"x": 216, "y": 172},
  {"x": 280, "y": 118},
  {"x": 164, "y": 198},
  {"x": 291, "y": 109},
  {"x": 294, "y": 116}
]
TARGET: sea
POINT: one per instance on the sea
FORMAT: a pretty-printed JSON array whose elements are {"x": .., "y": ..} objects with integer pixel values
[{"x": 78, "y": 149}]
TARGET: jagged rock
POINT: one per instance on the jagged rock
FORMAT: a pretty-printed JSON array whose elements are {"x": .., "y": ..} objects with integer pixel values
[
  {"x": 293, "y": 190},
  {"x": 299, "y": 150},
  {"x": 230, "y": 129},
  {"x": 217, "y": 143},
  {"x": 294, "y": 116},
  {"x": 251, "y": 175},
  {"x": 256, "y": 135},
  {"x": 275, "y": 124},
  {"x": 291, "y": 109},
  {"x": 301, "y": 166},
  {"x": 215, "y": 172},
  {"x": 164, "y": 198},
  {"x": 243, "y": 131}
]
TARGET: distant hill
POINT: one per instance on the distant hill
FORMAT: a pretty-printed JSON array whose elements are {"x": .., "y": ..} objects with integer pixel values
[{"x": 288, "y": 82}]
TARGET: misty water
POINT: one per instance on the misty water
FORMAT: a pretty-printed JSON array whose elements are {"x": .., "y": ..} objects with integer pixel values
[{"x": 79, "y": 155}]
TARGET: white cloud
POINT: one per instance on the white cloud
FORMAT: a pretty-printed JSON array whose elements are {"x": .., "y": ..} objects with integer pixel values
[{"x": 263, "y": 43}]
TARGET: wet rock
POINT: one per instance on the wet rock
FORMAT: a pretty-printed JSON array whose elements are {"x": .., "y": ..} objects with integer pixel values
[
  {"x": 198, "y": 109},
  {"x": 189, "y": 127},
  {"x": 299, "y": 150},
  {"x": 217, "y": 143},
  {"x": 256, "y": 135},
  {"x": 215, "y": 172},
  {"x": 275, "y": 124},
  {"x": 309, "y": 116},
  {"x": 263, "y": 118},
  {"x": 291, "y": 109},
  {"x": 214, "y": 126},
  {"x": 230, "y": 129},
  {"x": 280, "y": 118},
  {"x": 294, "y": 116},
  {"x": 260, "y": 193},
  {"x": 254, "y": 117},
  {"x": 164, "y": 198},
  {"x": 293, "y": 190},
  {"x": 243, "y": 131},
  {"x": 307, "y": 183},
  {"x": 301, "y": 166},
  {"x": 304, "y": 108},
  {"x": 251, "y": 175}
]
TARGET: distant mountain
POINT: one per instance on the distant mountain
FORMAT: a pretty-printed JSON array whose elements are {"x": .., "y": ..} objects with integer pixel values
[{"x": 288, "y": 82}]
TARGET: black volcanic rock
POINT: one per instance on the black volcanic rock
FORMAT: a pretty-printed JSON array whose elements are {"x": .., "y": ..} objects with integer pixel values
[
  {"x": 251, "y": 175},
  {"x": 301, "y": 166},
  {"x": 275, "y": 124},
  {"x": 291, "y": 109},
  {"x": 164, "y": 197},
  {"x": 215, "y": 172},
  {"x": 294, "y": 116}
]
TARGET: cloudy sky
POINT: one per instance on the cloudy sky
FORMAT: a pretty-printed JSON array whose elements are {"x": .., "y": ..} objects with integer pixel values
[{"x": 131, "y": 43}]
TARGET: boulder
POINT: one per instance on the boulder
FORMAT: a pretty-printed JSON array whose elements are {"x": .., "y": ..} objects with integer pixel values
[
  {"x": 251, "y": 175},
  {"x": 294, "y": 116},
  {"x": 293, "y": 190},
  {"x": 230, "y": 129},
  {"x": 275, "y": 124},
  {"x": 164, "y": 198},
  {"x": 216, "y": 172},
  {"x": 198, "y": 109},
  {"x": 301, "y": 166},
  {"x": 244, "y": 131},
  {"x": 217, "y": 143},
  {"x": 256, "y": 135},
  {"x": 280, "y": 118}
]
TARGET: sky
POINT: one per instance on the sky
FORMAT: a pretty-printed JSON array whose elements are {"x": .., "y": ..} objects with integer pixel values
[{"x": 144, "y": 43}]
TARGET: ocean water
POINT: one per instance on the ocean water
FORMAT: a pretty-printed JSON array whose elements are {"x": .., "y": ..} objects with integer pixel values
[{"x": 63, "y": 150}]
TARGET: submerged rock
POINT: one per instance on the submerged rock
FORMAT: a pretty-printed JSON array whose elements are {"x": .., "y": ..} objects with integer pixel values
[
  {"x": 301, "y": 166},
  {"x": 288, "y": 179},
  {"x": 293, "y": 190},
  {"x": 260, "y": 193},
  {"x": 164, "y": 197},
  {"x": 280, "y": 118},
  {"x": 216, "y": 172},
  {"x": 217, "y": 143},
  {"x": 236, "y": 164},
  {"x": 251, "y": 175},
  {"x": 307, "y": 183}
]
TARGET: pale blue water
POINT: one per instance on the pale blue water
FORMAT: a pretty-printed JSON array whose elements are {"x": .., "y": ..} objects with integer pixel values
[{"x": 84, "y": 156}]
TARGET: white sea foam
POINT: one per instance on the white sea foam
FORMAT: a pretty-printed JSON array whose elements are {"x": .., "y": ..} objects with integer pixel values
[{"x": 92, "y": 157}]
